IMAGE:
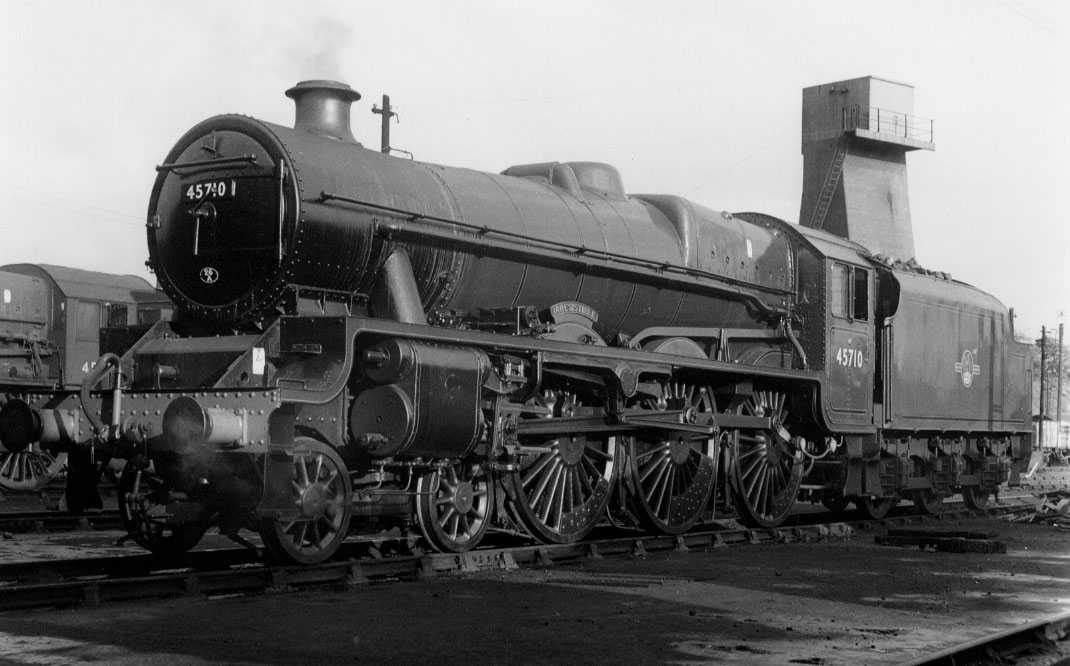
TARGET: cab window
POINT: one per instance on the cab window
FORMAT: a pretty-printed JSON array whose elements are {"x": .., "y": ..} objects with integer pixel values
[
  {"x": 861, "y": 294},
  {"x": 849, "y": 292}
]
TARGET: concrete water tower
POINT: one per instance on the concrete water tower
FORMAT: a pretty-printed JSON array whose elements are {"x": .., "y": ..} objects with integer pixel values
[{"x": 855, "y": 137}]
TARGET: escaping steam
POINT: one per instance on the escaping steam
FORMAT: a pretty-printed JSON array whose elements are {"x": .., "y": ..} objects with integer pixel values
[{"x": 328, "y": 40}]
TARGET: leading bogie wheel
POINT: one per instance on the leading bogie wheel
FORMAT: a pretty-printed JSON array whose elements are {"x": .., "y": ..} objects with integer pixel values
[
  {"x": 142, "y": 497},
  {"x": 455, "y": 504},
  {"x": 322, "y": 496},
  {"x": 767, "y": 467},
  {"x": 671, "y": 478}
]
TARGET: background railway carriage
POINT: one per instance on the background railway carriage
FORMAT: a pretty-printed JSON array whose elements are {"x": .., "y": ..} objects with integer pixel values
[
  {"x": 413, "y": 346},
  {"x": 51, "y": 321}
]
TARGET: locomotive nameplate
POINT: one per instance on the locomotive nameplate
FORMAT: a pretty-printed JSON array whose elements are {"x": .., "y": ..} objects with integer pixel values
[{"x": 216, "y": 189}]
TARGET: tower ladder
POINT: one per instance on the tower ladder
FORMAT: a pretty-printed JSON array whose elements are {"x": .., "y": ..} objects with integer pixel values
[{"x": 828, "y": 188}]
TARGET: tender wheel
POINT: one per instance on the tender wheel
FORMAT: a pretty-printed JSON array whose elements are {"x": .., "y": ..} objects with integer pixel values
[
  {"x": 767, "y": 468},
  {"x": 876, "y": 508},
  {"x": 835, "y": 502},
  {"x": 671, "y": 479},
  {"x": 976, "y": 497},
  {"x": 928, "y": 501},
  {"x": 29, "y": 469},
  {"x": 560, "y": 489},
  {"x": 454, "y": 506},
  {"x": 322, "y": 496},
  {"x": 142, "y": 497}
]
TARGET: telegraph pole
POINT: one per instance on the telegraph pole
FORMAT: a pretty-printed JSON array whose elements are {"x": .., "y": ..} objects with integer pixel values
[
  {"x": 387, "y": 113},
  {"x": 1043, "y": 359},
  {"x": 1059, "y": 389}
]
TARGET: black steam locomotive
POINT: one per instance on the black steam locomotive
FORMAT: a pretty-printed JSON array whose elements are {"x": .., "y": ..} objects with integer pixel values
[
  {"x": 372, "y": 339},
  {"x": 51, "y": 319}
]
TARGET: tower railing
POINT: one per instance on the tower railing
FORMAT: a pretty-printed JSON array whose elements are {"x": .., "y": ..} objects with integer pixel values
[{"x": 885, "y": 121}]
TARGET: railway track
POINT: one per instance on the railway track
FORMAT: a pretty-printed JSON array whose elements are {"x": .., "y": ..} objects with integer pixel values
[
  {"x": 39, "y": 520},
  {"x": 1041, "y": 641},
  {"x": 58, "y": 521},
  {"x": 227, "y": 571}
]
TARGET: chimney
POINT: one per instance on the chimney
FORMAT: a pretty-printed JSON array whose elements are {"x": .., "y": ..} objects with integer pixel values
[{"x": 323, "y": 108}]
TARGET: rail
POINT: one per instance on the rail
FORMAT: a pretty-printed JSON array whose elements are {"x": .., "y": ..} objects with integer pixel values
[
  {"x": 886, "y": 121},
  {"x": 1037, "y": 639}
]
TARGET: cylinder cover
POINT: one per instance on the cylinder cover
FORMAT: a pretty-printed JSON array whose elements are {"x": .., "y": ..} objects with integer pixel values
[{"x": 420, "y": 399}]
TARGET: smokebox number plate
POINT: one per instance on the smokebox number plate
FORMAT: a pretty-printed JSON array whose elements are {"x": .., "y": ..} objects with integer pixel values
[{"x": 212, "y": 190}]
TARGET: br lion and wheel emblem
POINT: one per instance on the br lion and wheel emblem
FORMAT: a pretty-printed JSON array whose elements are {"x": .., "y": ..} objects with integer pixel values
[
  {"x": 967, "y": 368},
  {"x": 209, "y": 275}
]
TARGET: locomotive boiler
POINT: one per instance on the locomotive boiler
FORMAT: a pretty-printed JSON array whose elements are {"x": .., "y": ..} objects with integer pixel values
[{"x": 373, "y": 340}]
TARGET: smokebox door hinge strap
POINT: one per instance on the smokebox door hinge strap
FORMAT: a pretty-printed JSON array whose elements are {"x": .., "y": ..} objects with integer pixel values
[{"x": 215, "y": 163}]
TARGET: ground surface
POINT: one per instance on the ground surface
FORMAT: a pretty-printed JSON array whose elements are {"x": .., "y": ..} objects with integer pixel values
[{"x": 840, "y": 602}]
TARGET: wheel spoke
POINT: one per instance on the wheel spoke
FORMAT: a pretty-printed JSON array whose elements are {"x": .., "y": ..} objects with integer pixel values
[
  {"x": 590, "y": 451},
  {"x": 752, "y": 452},
  {"x": 559, "y": 507},
  {"x": 546, "y": 478},
  {"x": 754, "y": 488},
  {"x": 594, "y": 473},
  {"x": 662, "y": 507},
  {"x": 547, "y": 505},
  {"x": 300, "y": 537},
  {"x": 566, "y": 492},
  {"x": 655, "y": 467},
  {"x": 538, "y": 466},
  {"x": 752, "y": 466},
  {"x": 654, "y": 450},
  {"x": 575, "y": 487}
]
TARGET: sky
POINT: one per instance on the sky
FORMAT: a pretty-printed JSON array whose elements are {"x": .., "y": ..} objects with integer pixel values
[{"x": 700, "y": 99}]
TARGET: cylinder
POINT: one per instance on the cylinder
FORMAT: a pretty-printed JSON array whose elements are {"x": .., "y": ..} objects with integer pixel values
[
  {"x": 186, "y": 424},
  {"x": 418, "y": 399}
]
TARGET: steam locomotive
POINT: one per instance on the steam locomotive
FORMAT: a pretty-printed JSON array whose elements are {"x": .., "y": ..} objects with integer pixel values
[
  {"x": 51, "y": 318},
  {"x": 361, "y": 338}
]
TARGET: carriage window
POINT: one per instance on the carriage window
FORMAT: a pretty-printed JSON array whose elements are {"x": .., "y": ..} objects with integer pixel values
[
  {"x": 87, "y": 322},
  {"x": 861, "y": 294},
  {"x": 840, "y": 290},
  {"x": 117, "y": 316}
]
